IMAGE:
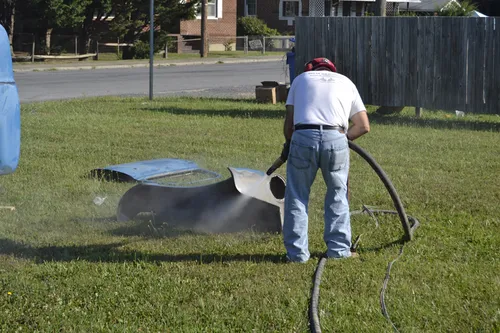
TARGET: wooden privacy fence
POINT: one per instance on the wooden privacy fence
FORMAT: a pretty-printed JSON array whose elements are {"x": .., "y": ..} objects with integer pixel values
[{"x": 450, "y": 63}]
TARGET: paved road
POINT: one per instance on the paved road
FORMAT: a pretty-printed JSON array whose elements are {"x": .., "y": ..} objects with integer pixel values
[{"x": 222, "y": 80}]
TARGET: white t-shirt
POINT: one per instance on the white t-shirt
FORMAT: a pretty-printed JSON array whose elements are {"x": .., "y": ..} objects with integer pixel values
[{"x": 324, "y": 98}]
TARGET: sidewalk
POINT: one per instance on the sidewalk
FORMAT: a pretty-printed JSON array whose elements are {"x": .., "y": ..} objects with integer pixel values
[{"x": 91, "y": 64}]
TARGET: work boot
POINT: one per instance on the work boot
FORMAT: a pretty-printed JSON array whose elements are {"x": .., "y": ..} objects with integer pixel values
[{"x": 354, "y": 255}]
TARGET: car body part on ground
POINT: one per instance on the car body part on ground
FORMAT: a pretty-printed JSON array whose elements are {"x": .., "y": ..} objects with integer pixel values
[
  {"x": 159, "y": 170},
  {"x": 10, "y": 115},
  {"x": 248, "y": 200}
]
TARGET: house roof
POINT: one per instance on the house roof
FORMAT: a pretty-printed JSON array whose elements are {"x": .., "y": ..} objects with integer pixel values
[
  {"x": 475, "y": 13},
  {"x": 428, "y": 5}
]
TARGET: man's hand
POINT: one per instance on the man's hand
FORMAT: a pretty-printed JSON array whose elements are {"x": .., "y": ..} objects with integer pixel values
[{"x": 360, "y": 126}]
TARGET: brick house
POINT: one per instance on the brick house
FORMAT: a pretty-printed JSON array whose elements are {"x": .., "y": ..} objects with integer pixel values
[
  {"x": 221, "y": 26},
  {"x": 280, "y": 14}
]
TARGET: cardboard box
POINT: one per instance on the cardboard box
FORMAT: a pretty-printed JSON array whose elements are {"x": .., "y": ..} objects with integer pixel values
[
  {"x": 272, "y": 92},
  {"x": 265, "y": 94}
]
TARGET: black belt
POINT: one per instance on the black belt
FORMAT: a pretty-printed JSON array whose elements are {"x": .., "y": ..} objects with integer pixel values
[{"x": 324, "y": 127}]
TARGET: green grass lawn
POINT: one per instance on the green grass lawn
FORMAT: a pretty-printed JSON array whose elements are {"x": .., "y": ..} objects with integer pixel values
[{"x": 67, "y": 265}]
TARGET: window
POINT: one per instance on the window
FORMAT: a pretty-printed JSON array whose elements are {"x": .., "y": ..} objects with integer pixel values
[
  {"x": 289, "y": 9},
  {"x": 250, "y": 7},
  {"x": 214, "y": 9}
]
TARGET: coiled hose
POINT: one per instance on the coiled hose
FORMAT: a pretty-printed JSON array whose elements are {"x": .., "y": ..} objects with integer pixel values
[{"x": 408, "y": 229}]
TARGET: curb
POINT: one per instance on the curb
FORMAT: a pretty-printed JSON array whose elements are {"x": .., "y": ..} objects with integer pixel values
[{"x": 56, "y": 67}]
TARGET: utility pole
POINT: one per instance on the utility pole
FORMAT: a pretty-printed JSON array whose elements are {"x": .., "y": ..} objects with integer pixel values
[
  {"x": 151, "y": 45},
  {"x": 204, "y": 39},
  {"x": 380, "y": 8}
]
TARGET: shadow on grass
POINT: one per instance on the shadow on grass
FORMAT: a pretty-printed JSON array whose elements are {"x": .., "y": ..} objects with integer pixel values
[
  {"x": 112, "y": 253},
  {"x": 381, "y": 247},
  {"x": 143, "y": 227},
  {"x": 147, "y": 229},
  {"x": 434, "y": 123},
  {"x": 238, "y": 100},
  {"x": 262, "y": 114},
  {"x": 95, "y": 219}
]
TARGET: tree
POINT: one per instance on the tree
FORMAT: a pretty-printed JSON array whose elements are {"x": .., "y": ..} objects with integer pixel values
[
  {"x": 131, "y": 20},
  {"x": 48, "y": 15},
  {"x": 96, "y": 12},
  {"x": 128, "y": 19},
  {"x": 7, "y": 18},
  {"x": 462, "y": 8}
]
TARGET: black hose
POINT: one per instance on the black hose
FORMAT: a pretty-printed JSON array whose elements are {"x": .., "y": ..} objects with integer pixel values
[
  {"x": 313, "y": 309},
  {"x": 408, "y": 230},
  {"x": 408, "y": 235}
]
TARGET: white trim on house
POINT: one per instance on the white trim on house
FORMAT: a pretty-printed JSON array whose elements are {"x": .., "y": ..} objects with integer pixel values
[
  {"x": 219, "y": 5},
  {"x": 428, "y": 5}
]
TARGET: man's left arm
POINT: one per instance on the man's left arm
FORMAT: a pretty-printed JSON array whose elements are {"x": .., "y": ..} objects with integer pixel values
[{"x": 288, "y": 125}]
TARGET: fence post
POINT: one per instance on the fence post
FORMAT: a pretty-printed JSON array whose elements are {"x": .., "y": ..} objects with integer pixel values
[
  {"x": 245, "y": 47},
  {"x": 97, "y": 50},
  {"x": 33, "y": 49},
  {"x": 263, "y": 44},
  {"x": 179, "y": 44},
  {"x": 76, "y": 45},
  {"x": 118, "y": 47},
  {"x": 418, "y": 112},
  {"x": 166, "y": 49}
]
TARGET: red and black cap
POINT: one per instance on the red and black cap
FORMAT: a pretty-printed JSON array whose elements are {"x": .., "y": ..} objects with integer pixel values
[{"x": 317, "y": 63}]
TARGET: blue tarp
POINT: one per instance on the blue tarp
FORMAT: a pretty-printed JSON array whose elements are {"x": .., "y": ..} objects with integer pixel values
[{"x": 10, "y": 117}]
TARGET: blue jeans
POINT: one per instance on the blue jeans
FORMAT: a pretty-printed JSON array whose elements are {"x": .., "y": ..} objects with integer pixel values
[{"x": 311, "y": 150}]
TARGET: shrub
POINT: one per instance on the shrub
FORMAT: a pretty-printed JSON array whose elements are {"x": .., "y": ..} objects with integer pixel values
[
  {"x": 141, "y": 50},
  {"x": 453, "y": 9},
  {"x": 253, "y": 26},
  {"x": 228, "y": 45}
]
